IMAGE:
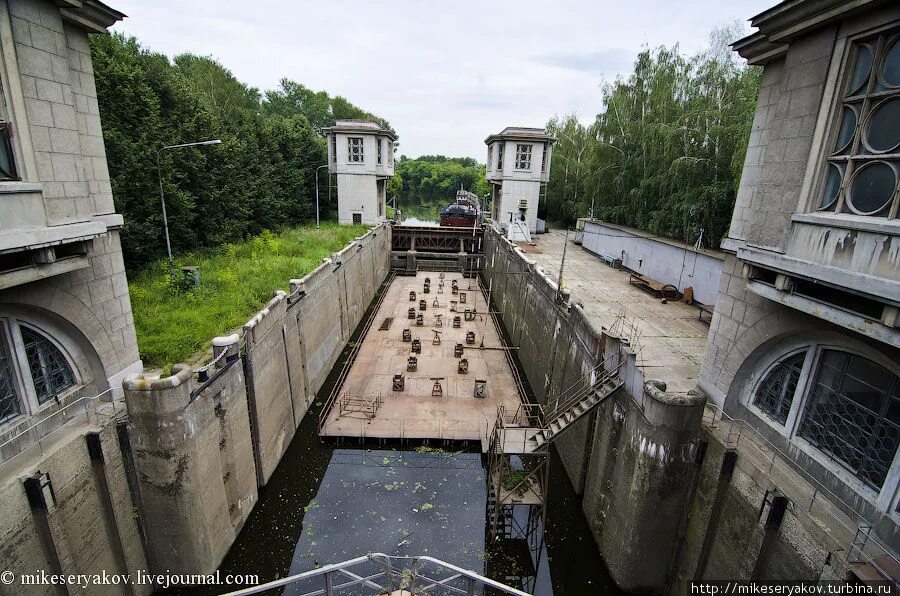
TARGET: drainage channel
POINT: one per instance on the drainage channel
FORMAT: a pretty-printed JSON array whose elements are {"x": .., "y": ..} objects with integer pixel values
[{"x": 327, "y": 503}]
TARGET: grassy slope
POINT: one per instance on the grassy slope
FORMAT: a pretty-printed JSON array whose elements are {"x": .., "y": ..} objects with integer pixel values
[{"x": 237, "y": 280}]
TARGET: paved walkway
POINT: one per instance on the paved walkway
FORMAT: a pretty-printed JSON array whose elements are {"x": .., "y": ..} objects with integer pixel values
[{"x": 671, "y": 337}]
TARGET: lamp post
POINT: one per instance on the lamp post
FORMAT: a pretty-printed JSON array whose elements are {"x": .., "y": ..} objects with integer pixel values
[
  {"x": 162, "y": 195},
  {"x": 317, "y": 193}
]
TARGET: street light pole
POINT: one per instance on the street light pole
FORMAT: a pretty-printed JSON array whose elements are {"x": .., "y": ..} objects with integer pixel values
[
  {"x": 317, "y": 193},
  {"x": 162, "y": 196}
]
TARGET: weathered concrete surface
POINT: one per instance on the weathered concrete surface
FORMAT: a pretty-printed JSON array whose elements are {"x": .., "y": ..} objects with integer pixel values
[
  {"x": 726, "y": 535},
  {"x": 293, "y": 343},
  {"x": 672, "y": 340},
  {"x": 556, "y": 344},
  {"x": 639, "y": 482},
  {"x": 414, "y": 412},
  {"x": 91, "y": 528},
  {"x": 194, "y": 462}
]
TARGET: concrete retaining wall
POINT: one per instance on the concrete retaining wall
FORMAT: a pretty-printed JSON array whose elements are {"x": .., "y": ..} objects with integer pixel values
[
  {"x": 201, "y": 449},
  {"x": 666, "y": 261},
  {"x": 83, "y": 523},
  {"x": 632, "y": 458}
]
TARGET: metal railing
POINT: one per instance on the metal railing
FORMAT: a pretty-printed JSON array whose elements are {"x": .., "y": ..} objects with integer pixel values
[
  {"x": 36, "y": 432},
  {"x": 377, "y": 573},
  {"x": 858, "y": 528}
]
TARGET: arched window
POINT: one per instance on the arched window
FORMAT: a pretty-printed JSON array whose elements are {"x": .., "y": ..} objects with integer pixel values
[
  {"x": 853, "y": 414},
  {"x": 50, "y": 371},
  {"x": 775, "y": 393},
  {"x": 844, "y": 404},
  {"x": 34, "y": 369},
  {"x": 9, "y": 400}
]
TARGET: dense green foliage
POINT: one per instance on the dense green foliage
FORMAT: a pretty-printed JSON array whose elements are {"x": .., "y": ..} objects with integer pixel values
[
  {"x": 424, "y": 185},
  {"x": 237, "y": 279},
  {"x": 261, "y": 177},
  {"x": 666, "y": 152}
]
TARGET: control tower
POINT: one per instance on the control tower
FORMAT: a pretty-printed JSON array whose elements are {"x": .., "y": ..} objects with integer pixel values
[
  {"x": 518, "y": 168},
  {"x": 361, "y": 154}
]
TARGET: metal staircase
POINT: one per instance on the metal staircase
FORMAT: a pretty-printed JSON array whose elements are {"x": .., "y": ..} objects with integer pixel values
[{"x": 519, "y": 443}]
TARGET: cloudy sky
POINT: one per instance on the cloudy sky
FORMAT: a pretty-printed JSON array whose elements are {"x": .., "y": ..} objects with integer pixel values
[{"x": 445, "y": 74}]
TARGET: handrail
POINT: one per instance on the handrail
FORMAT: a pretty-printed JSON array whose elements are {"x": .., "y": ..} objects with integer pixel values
[
  {"x": 327, "y": 572},
  {"x": 559, "y": 405},
  {"x": 65, "y": 410},
  {"x": 818, "y": 488}
]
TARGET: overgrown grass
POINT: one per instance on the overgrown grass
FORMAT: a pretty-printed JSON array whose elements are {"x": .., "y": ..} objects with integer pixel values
[{"x": 237, "y": 280}]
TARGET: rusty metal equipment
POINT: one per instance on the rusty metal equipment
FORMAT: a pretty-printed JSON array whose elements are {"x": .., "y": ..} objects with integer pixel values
[
  {"x": 462, "y": 297},
  {"x": 438, "y": 322},
  {"x": 463, "y": 367},
  {"x": 411, "y": 313},
  {"x": 458, "y": 350},
  {"x": 441, "y": 277},
  {"x": 412, "y": 296},
  {"x": 399, "y": 382},
  {"x": 480, "y": 388},
  {"x": 416, "y": 347},
  {"x": 435, "y": 304},
  {"x": 426, "y": 289},
  {"x": 422, "y": 305},
  {"x": 457, "y": 323},
  {"x": 455, "y": 285},
  {"x": 436, "y": 389},
  {"x": 420, "y": 320},
  {"x": 470, "y": 337},
  {"x": 412, "y": 363},
  {"x": 453, "y": 306},
  {"x": 407, "y": 335},
  {"x": 454, "y": 289},
  {"x": 469, "y": 315},
  {"x": 436, "y": 340}
]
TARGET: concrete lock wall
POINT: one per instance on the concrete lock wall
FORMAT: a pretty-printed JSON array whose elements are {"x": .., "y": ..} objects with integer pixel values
[
  {"x": 633, "y": 456},
  {"x": 664, "y": 260},
  {"x": 196, "y": 480},
  {"x": 83, "y": 521},
  {"x": 201, "y": 449}
]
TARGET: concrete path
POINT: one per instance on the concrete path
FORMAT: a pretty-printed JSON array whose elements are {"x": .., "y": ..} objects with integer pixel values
[{"x": 671, "y": 337}]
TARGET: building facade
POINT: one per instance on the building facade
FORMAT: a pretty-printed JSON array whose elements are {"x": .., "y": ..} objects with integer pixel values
[
  {"x": 518, "y": 168},
  {"x": 361, "y": 156},
  {"x": 66, "y": 328},
  {"x": 804, "y": 342}
]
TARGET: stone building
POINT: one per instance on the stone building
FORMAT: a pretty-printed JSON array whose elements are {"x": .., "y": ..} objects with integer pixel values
[
  {"x": 361, "y": 155},
  {"x": 804, "y": 342},
  {"x": 66, "y": 328},
  {"x": 518, "y": 168}
]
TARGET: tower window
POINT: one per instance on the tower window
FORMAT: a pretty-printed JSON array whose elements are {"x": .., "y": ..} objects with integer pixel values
[
  {"x": 500, "y": 156},
  {"x": 862, "y": 167},
  {"x": 379, "y": 142},
  {"x": 523, "y": 157},
  {"x": 355, "y": 150}
]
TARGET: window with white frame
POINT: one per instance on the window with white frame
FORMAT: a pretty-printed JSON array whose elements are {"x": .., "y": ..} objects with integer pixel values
[
  {"x": 334, "y": 148},
  {"x": 523, "y": 157},
  {"x": 379, "y": 142},
  {"x": 355, "y": 150},
  {"x": 844, "y": 404},
  {"x": 500, "y": 156},
  {"x": 861, "y": 173},
  {"x": 33, "y": 369},
  {"x": 544, "y": 158}
]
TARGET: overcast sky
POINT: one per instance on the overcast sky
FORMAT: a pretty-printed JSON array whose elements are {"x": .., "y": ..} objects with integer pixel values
[{"x": 445, "y": 74}]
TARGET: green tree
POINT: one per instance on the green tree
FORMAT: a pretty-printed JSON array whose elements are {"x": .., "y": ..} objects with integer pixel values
[{"x": 666, "y": 151}]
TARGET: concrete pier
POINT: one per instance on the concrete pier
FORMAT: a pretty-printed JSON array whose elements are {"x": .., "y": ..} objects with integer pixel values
[{"x": 367, "y": 406}]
